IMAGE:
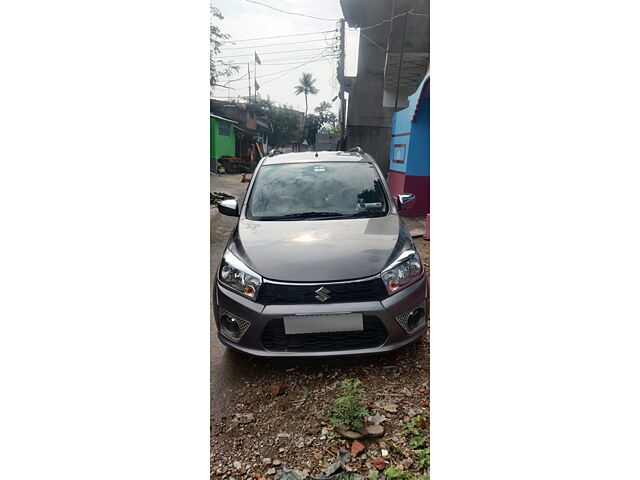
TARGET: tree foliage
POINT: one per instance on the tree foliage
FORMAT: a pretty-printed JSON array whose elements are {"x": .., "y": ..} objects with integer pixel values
[
  {"x": 327, "y": 119},
  {"x": 306, "y": 85},
  {"x": 264, "y": 106},
  {"x": 218, "y": 67},
  {"x": 284, "y": 121},
  {"x": 286, "y": 126},
  {"x": 323, "y": 121}
]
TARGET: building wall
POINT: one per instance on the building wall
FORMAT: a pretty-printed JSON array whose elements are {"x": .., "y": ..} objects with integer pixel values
[
  {"x": 220, "y": 145},
  {"x": 409, "y": 153},
  {"x": 419, "y": 164},
  {"x": 373, "y": 140},
  {"x": 369, "y": 124},
  {"x": 410, "y": 138},
  {"x": 327, "y": 141}
]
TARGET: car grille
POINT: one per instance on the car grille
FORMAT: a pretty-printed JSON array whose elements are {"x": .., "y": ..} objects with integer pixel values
[
  {"x": 278, "y": 294},
  {"x": 275, "y": 339}
]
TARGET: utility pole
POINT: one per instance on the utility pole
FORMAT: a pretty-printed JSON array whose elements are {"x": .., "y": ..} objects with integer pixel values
[
  {"x": 249, "y": 73},
  {"x": 343, "y": 103}
]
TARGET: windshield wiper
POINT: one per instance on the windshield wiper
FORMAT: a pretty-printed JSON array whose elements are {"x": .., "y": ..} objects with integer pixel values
[
  {"x": 295, "y": 216},
  {"x": 367, "y": 213}
]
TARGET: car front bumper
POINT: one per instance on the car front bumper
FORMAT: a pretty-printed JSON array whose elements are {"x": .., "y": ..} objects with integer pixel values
[{"x": 258, "y": 317}]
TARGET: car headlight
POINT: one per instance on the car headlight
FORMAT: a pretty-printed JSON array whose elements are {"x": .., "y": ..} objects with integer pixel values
[
  {"x": 238, "y": 277},
  {"x": 403, "y": 271}
]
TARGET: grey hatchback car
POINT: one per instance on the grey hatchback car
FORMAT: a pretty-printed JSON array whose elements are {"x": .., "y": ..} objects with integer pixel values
[{"x": 319, "y": 263}]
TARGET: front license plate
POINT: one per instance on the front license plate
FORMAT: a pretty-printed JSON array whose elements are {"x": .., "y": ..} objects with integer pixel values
[{"x": 342, "y": 322}]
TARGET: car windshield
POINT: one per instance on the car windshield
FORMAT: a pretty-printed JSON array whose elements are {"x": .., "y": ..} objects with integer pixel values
[{"x": 322, "y": 190}]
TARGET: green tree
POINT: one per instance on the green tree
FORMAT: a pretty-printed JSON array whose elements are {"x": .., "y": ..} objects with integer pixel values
[
  {"x": 264, "y": 106},
  {"x": 306, "y": 85},
  {"x": 284, "y": 121},
  {"x": 285, "y": 124},
  {"x": 218, "y": 67},
  {"x": 327, "y": 119}
]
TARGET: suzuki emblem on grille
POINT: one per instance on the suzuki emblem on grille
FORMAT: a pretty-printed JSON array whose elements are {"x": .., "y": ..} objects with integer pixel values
[{"x": 323, "y": 294}]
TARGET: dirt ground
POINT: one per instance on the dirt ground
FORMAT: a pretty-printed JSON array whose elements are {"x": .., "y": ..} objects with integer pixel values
[{"x": 290, "y": 430}]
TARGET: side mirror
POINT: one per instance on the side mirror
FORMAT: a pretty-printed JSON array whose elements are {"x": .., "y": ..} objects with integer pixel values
[
  {"x": 406, "y": 200},
  {"x": 229, "y": 207}
]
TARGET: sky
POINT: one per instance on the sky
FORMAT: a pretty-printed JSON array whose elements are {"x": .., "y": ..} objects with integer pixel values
[{"x": 245, "y": 20}]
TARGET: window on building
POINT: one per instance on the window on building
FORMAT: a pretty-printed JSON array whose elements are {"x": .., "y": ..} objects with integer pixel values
[
  {"x": 224, "y": 129},
  {"x": 399, "y": 150}
]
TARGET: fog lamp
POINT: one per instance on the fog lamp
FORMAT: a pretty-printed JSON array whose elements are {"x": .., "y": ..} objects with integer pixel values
[
  {"x": 414, "y": 319},
  {"x": 232, "y": 326}
]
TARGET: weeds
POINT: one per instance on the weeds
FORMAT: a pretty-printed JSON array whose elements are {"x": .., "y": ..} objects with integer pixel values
[
  {"x": 424, "y": 458},
  {"x": 416, "y": 431},
  {"x": 348, "y": 410},
  {"x": 393, "y": 473}
]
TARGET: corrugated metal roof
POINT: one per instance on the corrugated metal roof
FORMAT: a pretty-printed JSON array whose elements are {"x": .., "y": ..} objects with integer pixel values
[{"x": 222, "y": 118}]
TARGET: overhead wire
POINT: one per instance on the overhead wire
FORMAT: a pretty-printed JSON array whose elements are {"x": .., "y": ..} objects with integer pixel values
[
  {"x": 282, "y": 74},
  {"x": 386, "y": 21},
  {"x": 287, "y": 71},
  {"x": 295, "y": 59},
  {"x": 374, "y": 43},
  {"x": 311, "y": 60},
  {"x": 290, "y": 59},
  {"x": 329, "y": 55},
  {"x": 224, "y": 86},
  {"x": 275, "y": 44},
  {"x": 409, "y": 12},
  {"x": 306, "y": 59},
  {"x": 278, "y": 36},
  {"x": 293, "y": 13},
  {"x": 236, "y": 79},
  {"x": 272, "y": 53},
  {"x": 281, "y": 62}
]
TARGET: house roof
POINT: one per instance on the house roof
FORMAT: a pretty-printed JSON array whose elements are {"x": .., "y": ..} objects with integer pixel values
[
  {"x": 263, "y": 124},
  {"x": 223, "y": 118}
]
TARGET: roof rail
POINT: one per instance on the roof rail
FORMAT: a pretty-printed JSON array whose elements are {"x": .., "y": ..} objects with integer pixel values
[
  {"x": 273, "y": 152},
  {"x": 356, "y": 150}
]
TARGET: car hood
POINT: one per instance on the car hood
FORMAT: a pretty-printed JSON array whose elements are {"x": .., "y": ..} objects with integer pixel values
[{"x": 319, "y": 250}]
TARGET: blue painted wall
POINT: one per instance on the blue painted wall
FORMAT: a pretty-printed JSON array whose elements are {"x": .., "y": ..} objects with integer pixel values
[
  {"x": 418, "y": 163},
  {"x": 415, "y": 151}
]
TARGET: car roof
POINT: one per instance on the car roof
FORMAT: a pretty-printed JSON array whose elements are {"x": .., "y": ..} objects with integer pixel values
[{"x": 310, "y": 157}]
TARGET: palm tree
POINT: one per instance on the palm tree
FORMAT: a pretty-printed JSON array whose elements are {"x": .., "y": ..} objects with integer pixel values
[{"x": 306, "y": 86}]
